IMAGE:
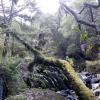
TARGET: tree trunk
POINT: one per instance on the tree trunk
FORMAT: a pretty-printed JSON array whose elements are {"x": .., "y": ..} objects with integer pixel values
[{"x": 78, "y": 86}]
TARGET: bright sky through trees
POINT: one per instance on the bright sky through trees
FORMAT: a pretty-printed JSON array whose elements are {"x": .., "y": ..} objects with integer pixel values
[{"x": 48, "y": 6}]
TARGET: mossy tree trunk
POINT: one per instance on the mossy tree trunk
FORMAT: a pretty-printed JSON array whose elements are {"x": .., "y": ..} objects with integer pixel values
[{"x": 78, "y": 86}]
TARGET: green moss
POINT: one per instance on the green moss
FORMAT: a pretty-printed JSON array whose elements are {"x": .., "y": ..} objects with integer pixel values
[
  {"x": 19, "y": 97},
  {"x": 93, "y": 66},
  {"x": 78, "y": 86}
]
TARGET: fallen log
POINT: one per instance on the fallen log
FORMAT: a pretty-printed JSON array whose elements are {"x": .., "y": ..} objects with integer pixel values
[{"x": 78, "y": 86}]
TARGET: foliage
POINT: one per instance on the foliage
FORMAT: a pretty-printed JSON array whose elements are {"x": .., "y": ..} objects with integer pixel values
[
  {"x": 66, "y": 27},
  {"x": 20, "y": 97},
  {"x": 16, "y": 26},
  {"x": 93, "y": 66},
  {"x": 52, "y": 78},
  {"x": 84, "y": 36},
  {"x": 15, "y": 83}
]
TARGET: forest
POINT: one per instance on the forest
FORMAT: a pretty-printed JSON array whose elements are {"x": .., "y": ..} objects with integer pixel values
[{"x": 50, "y": 56}]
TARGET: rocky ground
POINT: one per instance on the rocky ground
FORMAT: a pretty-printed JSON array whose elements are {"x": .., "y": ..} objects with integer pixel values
[
  {"x": 37, "y": 94},
  {"x": 45, "y": 94}
]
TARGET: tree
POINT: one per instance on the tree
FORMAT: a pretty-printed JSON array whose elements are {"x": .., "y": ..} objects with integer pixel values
[
  {"x": 11, "y": 11},
  {"x": 90, "y": 24}
]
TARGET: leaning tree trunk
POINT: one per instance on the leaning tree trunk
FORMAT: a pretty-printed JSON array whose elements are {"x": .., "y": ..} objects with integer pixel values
[{"x": 78, "y": 86}]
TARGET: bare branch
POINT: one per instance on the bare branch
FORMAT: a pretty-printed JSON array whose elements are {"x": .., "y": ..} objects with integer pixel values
[
  {"x": 79, "y": 21},
  {"x": 91, "y": 6},
  {"x": 16, "y": 12},
  {"x": 3, "y": 10},
  {"x": 12, "y": 6},
  {"x": 82, "y": 10}
]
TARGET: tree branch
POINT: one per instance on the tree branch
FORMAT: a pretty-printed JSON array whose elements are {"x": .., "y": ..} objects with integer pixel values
[
  {"x": 33, "y": 50},
  {"x": 79, "y": 21},
  {"x": 16, "y": 12},
  {"x": 3, "y": 11},
  {"x": 12, "y": 6},
  {"x": 92, "y": 6},
  {"x": 82, "y": 10}
]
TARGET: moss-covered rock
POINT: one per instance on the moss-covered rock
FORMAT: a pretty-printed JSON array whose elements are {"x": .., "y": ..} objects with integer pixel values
[{"x": 93, "y": 66}]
